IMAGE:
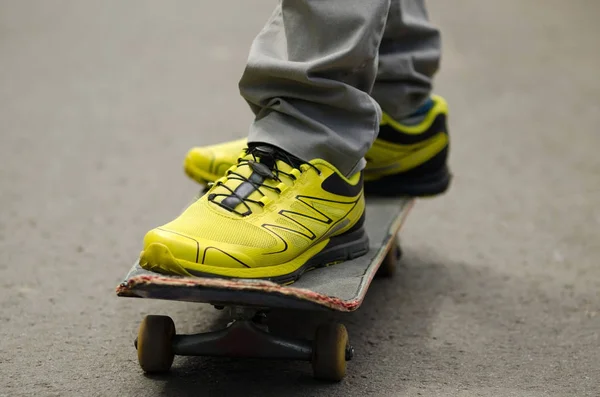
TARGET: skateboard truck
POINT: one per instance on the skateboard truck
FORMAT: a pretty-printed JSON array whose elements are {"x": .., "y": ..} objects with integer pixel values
[{"x": 246, "y": 336}]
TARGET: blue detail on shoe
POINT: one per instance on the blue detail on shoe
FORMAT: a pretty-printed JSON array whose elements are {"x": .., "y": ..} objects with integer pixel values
[
  {"x": 418, "y": 115},
  {"x": 423, "y": 109}
]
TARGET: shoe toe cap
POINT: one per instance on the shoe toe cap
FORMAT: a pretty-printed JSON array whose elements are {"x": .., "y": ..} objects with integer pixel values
[
  {"x": 199, "y": 157},
  {"x": 180, "y": 246}
]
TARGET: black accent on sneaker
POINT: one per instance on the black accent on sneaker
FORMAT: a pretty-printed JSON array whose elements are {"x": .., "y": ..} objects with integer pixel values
[
  {"x": 347, "y": 246},
  {"x": 428, "y": 179},
  {"x": 221, "y": 251},
  {"x": 389, "y": 134},
  {"x": 335, "y": 184},
  {"x": 269, "y": 154},
  {"x": 261, "y": 169},
  {"x": 242, "y": 192}
]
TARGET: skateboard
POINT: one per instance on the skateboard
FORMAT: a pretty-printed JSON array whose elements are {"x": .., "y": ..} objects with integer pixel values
[{"x": 341, "y": 287}]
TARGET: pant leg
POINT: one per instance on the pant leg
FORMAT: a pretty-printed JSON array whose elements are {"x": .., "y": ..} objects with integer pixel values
[
  {"x": 409, "y": 56},
  {"x": 309, "y": 75}
]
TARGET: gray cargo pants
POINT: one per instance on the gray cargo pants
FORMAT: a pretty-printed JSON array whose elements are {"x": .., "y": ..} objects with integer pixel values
[{"x": 320, "y": 72}]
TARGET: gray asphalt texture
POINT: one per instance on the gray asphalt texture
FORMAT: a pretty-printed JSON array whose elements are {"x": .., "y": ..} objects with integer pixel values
[{"x": 498, "y": 290}]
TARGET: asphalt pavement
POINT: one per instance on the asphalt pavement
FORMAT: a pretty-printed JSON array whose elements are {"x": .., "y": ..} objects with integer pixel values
[{"x": 498, "y": 290}]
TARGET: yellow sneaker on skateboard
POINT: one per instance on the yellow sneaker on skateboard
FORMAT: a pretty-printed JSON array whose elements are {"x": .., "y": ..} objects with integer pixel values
[
  {"x": 272, "y": 216},
  {"x": 407, "y": 158}
]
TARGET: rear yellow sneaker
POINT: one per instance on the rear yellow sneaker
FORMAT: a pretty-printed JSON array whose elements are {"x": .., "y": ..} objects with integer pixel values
[
  {"x": 272, "y": 216},
  {"x": 407, "y": 158},
  {"x": 410, "y": 157},
  {"x": 208, "y": 163}
]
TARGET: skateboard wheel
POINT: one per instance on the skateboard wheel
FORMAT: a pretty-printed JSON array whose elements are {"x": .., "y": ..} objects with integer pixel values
[
  {"x": 330, "y": 352},
  {"x": 154, "y": 343},
  {"x": 388, "y": 266}
]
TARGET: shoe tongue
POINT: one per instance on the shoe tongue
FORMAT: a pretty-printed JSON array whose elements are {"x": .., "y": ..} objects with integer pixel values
[
  {"x": 266, "y": 155},
  {"x": 270, "y": 155}
]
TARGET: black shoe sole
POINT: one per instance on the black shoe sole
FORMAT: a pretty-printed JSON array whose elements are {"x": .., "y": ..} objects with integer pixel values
[
  {"x": 431, "y": 184},
  {"x": 340, "y": 248}
]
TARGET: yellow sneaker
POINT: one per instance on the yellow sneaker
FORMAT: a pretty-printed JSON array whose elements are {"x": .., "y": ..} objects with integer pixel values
[
  {"x": 407, "y": 158},
  {"x": 208, "y": 163},
  {"x": 410, "y": 157},
  {"x": 272, "y": 216}
]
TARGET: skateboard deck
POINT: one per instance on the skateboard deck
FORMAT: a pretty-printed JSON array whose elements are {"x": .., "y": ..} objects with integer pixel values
[{"x": 341, "y": 287}]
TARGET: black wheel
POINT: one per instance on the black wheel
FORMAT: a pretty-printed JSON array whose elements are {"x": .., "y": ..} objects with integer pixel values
[
  {"x": 388, "y": 266},
  {"x": 330, "y": 351},
  {"x": 154, "y": 343}
]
